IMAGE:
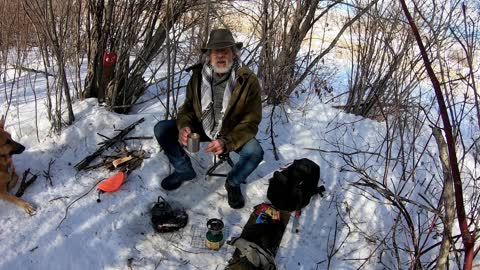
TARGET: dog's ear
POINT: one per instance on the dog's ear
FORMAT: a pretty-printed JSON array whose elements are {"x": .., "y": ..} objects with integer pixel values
[{"x": 2, "y": 122}]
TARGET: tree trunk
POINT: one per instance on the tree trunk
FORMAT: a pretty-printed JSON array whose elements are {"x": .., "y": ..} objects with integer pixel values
[
  {"x": 95, "y": 48},
  {"x": 127, "y": 84},
  {"x": 52, "y": 34},
  {"x": 447, "y": 199}
]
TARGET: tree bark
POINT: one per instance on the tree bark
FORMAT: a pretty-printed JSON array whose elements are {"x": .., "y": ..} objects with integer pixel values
[
  {"x": 95, "y": 48},
  {"x": 447, "y": 199}
]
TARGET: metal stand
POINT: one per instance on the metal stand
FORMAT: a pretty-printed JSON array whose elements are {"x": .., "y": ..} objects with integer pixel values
[{"x": 221, "y": 159}]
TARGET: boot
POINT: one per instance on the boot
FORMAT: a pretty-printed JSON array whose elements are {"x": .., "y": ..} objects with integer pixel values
[
  {"x": 235, "y": 197},
  {"x": 175, "y": 180}
]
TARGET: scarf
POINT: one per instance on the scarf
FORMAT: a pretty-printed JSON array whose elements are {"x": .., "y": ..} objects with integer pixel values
[{"x": 208, "y": 117}]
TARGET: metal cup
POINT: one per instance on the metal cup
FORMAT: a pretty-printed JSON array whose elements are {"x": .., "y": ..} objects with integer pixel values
[{"x": 193, "y": 142}]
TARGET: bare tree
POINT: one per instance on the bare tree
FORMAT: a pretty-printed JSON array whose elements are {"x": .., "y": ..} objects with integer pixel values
[
  {"x": 391, "y": 172},
  {"x": 381, "y": 60},
  {"x": 284, "y": 27},
  {"x": 467, "y": 237},
  {"x": 119, "y": 27},
  {"x": 53, "y": 21}
]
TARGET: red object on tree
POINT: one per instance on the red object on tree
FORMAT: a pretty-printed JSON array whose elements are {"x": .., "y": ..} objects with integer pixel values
[{"x": 109, "y": 59}]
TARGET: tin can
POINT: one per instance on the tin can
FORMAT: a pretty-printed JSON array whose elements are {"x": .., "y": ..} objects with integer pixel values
[
  {"x": 193, "y": 142},
  {"x": 214, "y": 236}
]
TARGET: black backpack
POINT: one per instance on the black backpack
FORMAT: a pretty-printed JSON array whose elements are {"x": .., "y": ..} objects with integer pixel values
[{"x": 291, "y": 188}]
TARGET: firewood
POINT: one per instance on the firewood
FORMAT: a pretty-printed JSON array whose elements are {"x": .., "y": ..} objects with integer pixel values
[
  {"x": 108, "y": 143},
  {"x": 119, "y": 161}
]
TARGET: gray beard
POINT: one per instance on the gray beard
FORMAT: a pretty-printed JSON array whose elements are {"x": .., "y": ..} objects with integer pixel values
[{"x": 222, "y": 70}]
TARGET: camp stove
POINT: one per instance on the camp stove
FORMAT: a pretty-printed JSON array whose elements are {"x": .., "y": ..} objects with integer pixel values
[{"x": 214, "y": 237}]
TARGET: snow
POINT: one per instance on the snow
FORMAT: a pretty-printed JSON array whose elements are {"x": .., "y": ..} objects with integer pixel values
[
  {"x": 116, "y": 233},
  {"x": 108, "y": 234}
]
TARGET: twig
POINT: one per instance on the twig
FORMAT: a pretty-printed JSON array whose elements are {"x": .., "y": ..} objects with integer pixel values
[
  {"x": 113, "y": 157},
  {"x": 34, "y": 70},
  {"x": 84, "y": 163},
  {"x": 138, "y": 138},
  {"x": 272, "y": 133},
  {"x": 74, "y": 201},
  {"x": 46, "y": 173},
  {"x": 334, "y": 250},
  {"x": 343, "y": 153},
  {"x": 25, "y": 184},
  {"x": 103, "y": 136},
  {"x": 58, "y": 198},
  {"x": 95, "y": 166},
  {"x": 138, "y": 155}
]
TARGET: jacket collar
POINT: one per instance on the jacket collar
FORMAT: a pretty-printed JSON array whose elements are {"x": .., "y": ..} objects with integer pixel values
[
  {"x": 243, "y": 72},
  {"x": 243, "y": 75}
]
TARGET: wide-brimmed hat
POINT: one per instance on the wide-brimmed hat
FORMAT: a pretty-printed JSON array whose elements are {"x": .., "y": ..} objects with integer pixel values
[{"x": 221, "y": 38}]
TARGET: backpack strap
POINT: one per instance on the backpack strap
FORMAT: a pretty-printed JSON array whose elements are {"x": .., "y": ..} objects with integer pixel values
[
  {"x": 299, "y": 200},
  {"x": 320, "y": 190}
]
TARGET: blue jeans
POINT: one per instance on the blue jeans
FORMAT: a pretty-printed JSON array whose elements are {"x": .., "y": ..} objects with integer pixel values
[{"x": 251, "y": 153}]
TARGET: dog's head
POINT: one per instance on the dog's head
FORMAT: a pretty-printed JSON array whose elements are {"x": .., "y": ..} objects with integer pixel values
[{"x": 7, "y": 145}]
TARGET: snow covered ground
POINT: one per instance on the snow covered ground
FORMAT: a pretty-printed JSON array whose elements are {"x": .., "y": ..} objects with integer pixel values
[{"x": 116, "y": 233}]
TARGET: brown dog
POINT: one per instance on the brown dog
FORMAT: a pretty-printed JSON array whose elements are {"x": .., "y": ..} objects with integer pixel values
[{"x": 8, "y": 177}]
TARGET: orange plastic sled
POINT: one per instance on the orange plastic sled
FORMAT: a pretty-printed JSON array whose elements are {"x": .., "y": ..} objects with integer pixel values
[{"x": 113, "y": 183}]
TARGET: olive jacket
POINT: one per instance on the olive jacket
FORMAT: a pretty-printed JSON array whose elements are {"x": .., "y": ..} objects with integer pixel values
[{"x": 242, "y": 115}]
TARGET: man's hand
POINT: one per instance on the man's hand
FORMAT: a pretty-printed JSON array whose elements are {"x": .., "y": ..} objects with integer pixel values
[
  {"x": 217, "y": 147},
  {"x": 183, "y": 135}
]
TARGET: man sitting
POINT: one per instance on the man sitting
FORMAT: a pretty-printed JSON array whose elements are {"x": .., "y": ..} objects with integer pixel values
[{"x": 223, "y": 105}]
